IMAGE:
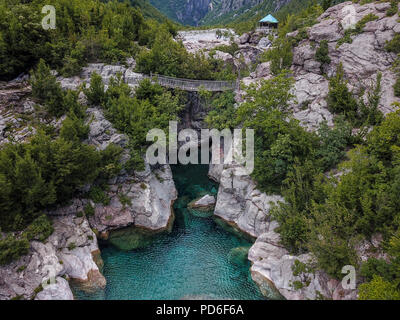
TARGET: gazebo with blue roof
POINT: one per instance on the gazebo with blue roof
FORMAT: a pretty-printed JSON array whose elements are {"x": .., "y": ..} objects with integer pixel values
[{"x": 268, "y": 23}]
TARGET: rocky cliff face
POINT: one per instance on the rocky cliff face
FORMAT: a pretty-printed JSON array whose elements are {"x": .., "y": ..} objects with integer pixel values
[
  {"x": 241, "y": 205},
  {"x": 70, "y": 253},
  {"x": 225, "y": 11},
  {"x": 362, "y": 60},
  {"x": 187, "y": 12},
  {"x": 225, "y": 6},
  {"x": 141, "y": 200}
]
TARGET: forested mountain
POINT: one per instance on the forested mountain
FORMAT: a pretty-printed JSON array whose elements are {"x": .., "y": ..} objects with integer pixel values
[
  {"x": 86, "y": 31},
  {"x": 222, "y": 12},
  {"x": 206, "y": 12},
  {"x": 248, "y": 19},
  {"x": 322, "y": 100},
  {"x": 186, "y": 12},
  {"x": 148, "y": 10},
  {"x": 229, "y": 10}
]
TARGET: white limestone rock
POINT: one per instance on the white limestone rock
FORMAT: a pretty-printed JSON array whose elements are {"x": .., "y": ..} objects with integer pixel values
[
  {"x": 59, "y": 290},
  {"x": 205, "y": 203},
  {"x": 44, "y": 265},
  {"x": 205, "y": 40},
  {"x": 272, "y": 271},
  {"x": 150, "y": 196},
  {"x": 241, "y": 204}
]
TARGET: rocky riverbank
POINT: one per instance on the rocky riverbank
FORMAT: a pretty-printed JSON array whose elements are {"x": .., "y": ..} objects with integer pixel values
[
  {"x": 70, "y": 253},
  {"x": 240, "y": 204},
  {"x": 141, "y": 200}
]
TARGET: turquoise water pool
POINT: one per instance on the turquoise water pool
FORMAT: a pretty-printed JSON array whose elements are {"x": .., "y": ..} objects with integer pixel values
[{"x": 197, "y": 260}]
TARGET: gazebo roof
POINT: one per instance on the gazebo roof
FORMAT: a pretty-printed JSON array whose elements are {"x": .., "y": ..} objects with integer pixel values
[{"x": 269, "y": 18}]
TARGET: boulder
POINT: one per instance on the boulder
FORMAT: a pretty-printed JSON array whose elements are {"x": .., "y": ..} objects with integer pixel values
[
  {"x": 205, "y": 203},
  {"x": 59, "y": 290},
  {"x": 224, "y": 56},
  {"x": 310, "y": 108},
  {"x": 263, "y": 70},
  {"x": 101, "y": 131},
  {"x": 327, "y": 29},
  {"x": 144, "y": 201},
  {"x": 68, "y": 251},
  {"x": 215, "y": 171},
  {"x": 302, "y": 53},
  {"x": 244, "y": 38},
  {"x": 272, "y": 270},
  {"x": 264, "y": 43},
  {"x": 240, "y": 203},
  {"x": 249, "y": 53}
]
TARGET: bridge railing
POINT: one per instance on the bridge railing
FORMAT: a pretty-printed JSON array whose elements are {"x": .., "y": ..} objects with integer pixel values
[
  {"x": 184, "y": 84},
  {"x": 193, "y": 85}
]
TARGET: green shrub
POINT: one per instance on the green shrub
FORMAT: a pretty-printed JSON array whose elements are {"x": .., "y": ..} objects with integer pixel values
[
  {"x": 281, "y": 56},
  {"x": 222, "y": 113},
  {"x": 12, "y": 248},
  {"x": 394, "y": 8},
  {"x": 333, "y": 143},
  {"x": 71, "y": 67},
  {"x": 369, "y": 112},
  {"x": 40, "y": 229},
  {"x": 396, "y": 87},
  {"x": 95, "y": 93},
  {"x": 21, "y": 268},
  {"x": 46, "y": 88},
  {"x": 124, "y": 199},
  {"x": 322, "y": 54},
  {"x": 394, "y": 44},
  {"x": 89, "y": 210},
  {"x": 326, "y": 4},
  {"x": 378, "y": 289},
  {"x": 340, "y": 98},
  {"x": 74, "y": 129},
  {"x": 231, "y": 49},
  {"x": 379, "y": 267},
  {"x": 110, "y": 162},
  {"x": 332, "y": 239},
  {"x": 37, "y": 175},
  {"x": 170, "y": 58},
  {"x": 152, "y": 107},
  {"x": 98, "y": 195},
  {"x": 143, "y": 186},
  {"x": 87, "y": 31}
]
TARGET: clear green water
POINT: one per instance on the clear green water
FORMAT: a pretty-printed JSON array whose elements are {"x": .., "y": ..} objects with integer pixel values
[{"x": 197, "y": 260}]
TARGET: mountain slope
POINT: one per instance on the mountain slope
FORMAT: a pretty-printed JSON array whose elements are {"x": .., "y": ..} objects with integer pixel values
[
  {"x": 248, "y": 19},
  {"x": 148, "y": 10},
  {"x": 205, "y": 12},
  {"x": 188, "y": 12},
  {"x": 227, "y": 10},
  {"x": 223, "y": 12}
]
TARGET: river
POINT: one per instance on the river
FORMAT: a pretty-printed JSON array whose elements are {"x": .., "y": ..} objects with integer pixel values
[{"x": 198, "y": 259}]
